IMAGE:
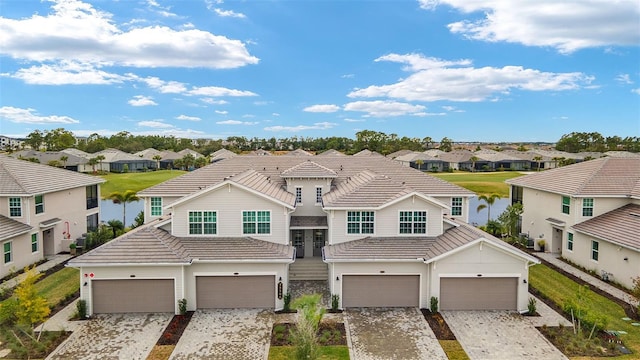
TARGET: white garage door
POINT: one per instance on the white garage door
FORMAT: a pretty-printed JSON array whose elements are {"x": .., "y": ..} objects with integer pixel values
[
  {"x": 478, "y": 293},
  {"x": 380, "y": 290},
  {"x": 133, "y": 295},
  {"x": 224, "y": 292}
]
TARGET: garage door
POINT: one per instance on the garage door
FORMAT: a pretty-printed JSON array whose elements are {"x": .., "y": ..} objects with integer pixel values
[
  {"x": 478, "y": 293},
  {"x": 127, "y": 296},
  {"x": 380, "y": 290},
  {"x": 224, "y": 292}
]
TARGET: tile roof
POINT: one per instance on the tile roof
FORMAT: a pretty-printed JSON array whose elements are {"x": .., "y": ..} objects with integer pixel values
[
  {"x": 364, "y": 190},
  {"x": 412, "y": 247},
  {"x": 20, "y": 177},
  {"x": 114, "y": 155},
  {"x": 331, "y": 152},
  {"x": 606, "y": 176},
  {"x": 298, "y": 152},
  {"x": 149, "y": 245},
  {"x": 308, "y": 222},
  {"x": 263, "y": 184},
  {"x": 10, "y": 228},
  {"x": 619, "y": 226},
  {"x": 413, "y": 156},
  {"x": 309, "y": 169},
  {"x": 46, "y": 156},
  {"x": 272, "y": 167}
]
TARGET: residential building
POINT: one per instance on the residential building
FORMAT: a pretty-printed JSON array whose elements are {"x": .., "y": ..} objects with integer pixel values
[
  {"x": 229, "y": 234},
  {"x": 43, "y": 210},
  {"x": 589, "y": 213}
]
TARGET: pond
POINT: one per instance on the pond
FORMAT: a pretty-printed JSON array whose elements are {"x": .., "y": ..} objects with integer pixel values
[
  {"x": 480, "y": 218},
  {"x": 111, "y": 211}
]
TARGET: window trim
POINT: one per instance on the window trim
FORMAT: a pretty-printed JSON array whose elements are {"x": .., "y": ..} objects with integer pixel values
[
  {"x": 360, "y": 222},
  {"x": 153, "y": 207},
  {"x": 570, "y": 241},
  {"x": 595, "y": 250},
  {"x": 202, "y": 222},
  {"x": 413, "y": 222},
  {"x": 14, "y": 206},
  {"x": 587, "y": 206},
  {"x": 256, "y": 223},
  {"x": 92, "y": 201},
  {"x": 566, "y": 206},
  {"x": 319, "y": 194},
  {"x": 6, "y": 252},
  {"x": 298, "y": 195},
  {"x": 455, "y": 206},
  {"x": 40, "y": 204},
  {"x": 34, "y": 241}
]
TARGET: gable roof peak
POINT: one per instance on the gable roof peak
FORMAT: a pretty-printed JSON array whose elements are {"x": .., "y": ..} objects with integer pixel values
[{"x": 309, "y": 169}]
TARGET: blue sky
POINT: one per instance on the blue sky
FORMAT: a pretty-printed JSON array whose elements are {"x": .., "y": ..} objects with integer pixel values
[{"x": 482, "y": 70}]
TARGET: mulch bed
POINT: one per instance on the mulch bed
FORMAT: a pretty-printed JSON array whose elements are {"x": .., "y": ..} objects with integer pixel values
[
  {"x": 174, "y": 330},
  {"x": 329, "y": 333},
  {"x": 438, "y": 325}
]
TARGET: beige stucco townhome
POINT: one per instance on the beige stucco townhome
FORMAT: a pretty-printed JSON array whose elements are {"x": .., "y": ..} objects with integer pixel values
[
  {"x": 589, "y": 213},
  {"x": 43, "y": 210},
  {"x": 228, "y": 235}
]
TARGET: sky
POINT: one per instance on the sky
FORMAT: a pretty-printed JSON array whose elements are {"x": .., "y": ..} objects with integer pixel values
[{"x": 469, "y": 70}]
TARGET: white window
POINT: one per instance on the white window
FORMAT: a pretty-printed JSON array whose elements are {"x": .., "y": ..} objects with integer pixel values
[
  {"x": 587, "y": 207},
  {"x": 360, "y": 222},
  {"x": 413, "y": 222},
  {"x": 456, "y": 206},
  {"x": 570, "y": 241},
  {"x": 594, "y": 250},
  {"x": 39, "y": 204},
  {"x": 298, "y": 195},
  {"x": 566, "y": 205},
  {"x": 203, "y": 222},
  {"x": 156, "y": 206},
  {"x": 318, "y": 195},
  {"x": 34, "y": 243},
  {"x": 7, "y": 251},
  {"x": 256, "y": 222},
  {"x": 15, "y": 207}
]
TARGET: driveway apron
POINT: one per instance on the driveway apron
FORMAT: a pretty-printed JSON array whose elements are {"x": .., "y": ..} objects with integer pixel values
[
  {"x": 495, "y": 335},
  {"x": 114, "y": 336},
  {"x": 226, "y": 334},
  {"x": 391, "y": 333}
]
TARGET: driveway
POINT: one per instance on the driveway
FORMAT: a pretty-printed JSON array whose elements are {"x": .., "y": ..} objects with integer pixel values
[
  {"x": 499, "y": 335},
  {"x": 226, "y": 334},
  {"x": 114, "y": 336},
  {"x": 391, "y": 333}
]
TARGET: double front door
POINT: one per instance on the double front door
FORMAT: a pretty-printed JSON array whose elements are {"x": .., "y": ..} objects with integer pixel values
[{"x": 308, "y": 242}]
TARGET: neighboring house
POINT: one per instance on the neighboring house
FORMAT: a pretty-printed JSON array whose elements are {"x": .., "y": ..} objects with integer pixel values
[
  {"x": 221, "y": 154},
  {"x": 43, "y": 209},
  {"x": 227, "y": 236},
  {"x": 587, "y": 212},
  {"x": 120, "y": 161},
  {"x": 422, "y": 161}
]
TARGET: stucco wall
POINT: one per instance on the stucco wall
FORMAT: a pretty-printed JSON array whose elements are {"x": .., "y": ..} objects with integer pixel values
[
  {"x": 308, "y": 207},
  {"x": 166, "y": 201},
  {"x": 22, "y": 255}
]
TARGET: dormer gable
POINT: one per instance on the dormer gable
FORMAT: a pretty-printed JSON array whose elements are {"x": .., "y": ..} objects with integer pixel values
[{"x": 309, "y": 170}]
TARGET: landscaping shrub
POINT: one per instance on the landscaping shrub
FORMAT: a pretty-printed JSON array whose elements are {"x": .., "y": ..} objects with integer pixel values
[
  {"x": 335, "y": 302},
  {"x": 287, "y": 303},
  {"x": 182, "y": 306},
  {"x": 81, "y": 306},
  {"x": 433, "y": 304},
  {"x": 531, "y": 306}
]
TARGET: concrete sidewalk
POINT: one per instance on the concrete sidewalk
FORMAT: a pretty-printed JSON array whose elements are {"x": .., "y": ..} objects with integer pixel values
[
  {"x": 52, "y": 261},
  {"x": 612, "y": 290}
]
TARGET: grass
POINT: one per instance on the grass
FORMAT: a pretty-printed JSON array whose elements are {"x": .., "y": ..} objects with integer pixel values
[
  {"x": 161, "y": 352},
  {"x": 135, "y": 181},
  {"x": 560, "y": 288},
  {"x": 326, "y": 352},
  {"x": 453, "y": 350},
  {"x": 59, "y": 285},
  {"x": 482, "y": 183}
]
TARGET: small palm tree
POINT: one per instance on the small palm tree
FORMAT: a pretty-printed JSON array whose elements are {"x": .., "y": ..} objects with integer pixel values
[
  {"x": 419, "y": 162},
  {"x": 157, "y": 158},
  {"x": 115, "y": 225},
  {"x": 124, "y": 198},
  {"x": 490, "y": 200},
  {"x": 473, "y": 160},
  {"x": 64, "y": 159},
  {"x": 100, "y": 158}
]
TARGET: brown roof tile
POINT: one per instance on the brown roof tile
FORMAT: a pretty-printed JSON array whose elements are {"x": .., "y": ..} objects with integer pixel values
[
  {"x": 620, "y": 226},
  {"x": 10, "y": 228},
  {"x": 366, "y": 189},
  {"x": 309, "y": 169}
]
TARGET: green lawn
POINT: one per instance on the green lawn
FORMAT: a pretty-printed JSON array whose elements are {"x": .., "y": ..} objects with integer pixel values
[
  {"x": 482, "y": 183},
  {"x": 453, "y": 350},
  {"x": 326, "y": 353},
  {"x": 135, "y": 181},
  {"x": 559, "y": 289}
]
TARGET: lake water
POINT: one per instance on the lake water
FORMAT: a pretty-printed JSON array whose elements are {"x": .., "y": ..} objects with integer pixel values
[
  {"x": 480, "y": 218},
  {"x": 110, "y": 211}
]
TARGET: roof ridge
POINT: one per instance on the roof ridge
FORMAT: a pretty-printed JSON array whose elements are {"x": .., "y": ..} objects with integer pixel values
[
  {"x": 16, "y": 179},
  {"x": 164, "y": 234},
  {"x": 593, "y": 174}
]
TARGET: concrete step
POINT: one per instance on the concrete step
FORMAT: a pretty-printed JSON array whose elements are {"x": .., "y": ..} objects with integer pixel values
[{"x": 308, "y": 269}]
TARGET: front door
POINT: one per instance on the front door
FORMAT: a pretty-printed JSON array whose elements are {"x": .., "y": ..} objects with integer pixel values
[
  {"x": 298, "y": 243},
  {"x": 318, "y": 242},
  {"x": 48, "y": 242}
]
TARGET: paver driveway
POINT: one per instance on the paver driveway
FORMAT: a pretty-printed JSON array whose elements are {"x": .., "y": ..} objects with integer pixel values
[
  {"x": 495, "y": 335},
  {"x": 391, "y": 333},
  {"x": 226, "y": 334},
  {"x": 114, "y": 336}
]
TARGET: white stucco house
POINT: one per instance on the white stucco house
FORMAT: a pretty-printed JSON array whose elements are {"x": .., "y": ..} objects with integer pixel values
[
  {"x": 227, "y": 236},
  {"x": 588, "y": 212},
  {"x": 43, "y": 210}
]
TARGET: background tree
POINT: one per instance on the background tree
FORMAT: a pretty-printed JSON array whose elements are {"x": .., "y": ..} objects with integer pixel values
[
  {"x": 100, "y": 159},
  {"x": 124, "y": 198},
  {"x": 489, "y": 200},
  {"x": 64, "y": 159},
  {"x": 157, "y": 159},
  {"x": 510, "y": 219},
  {"x": 446, "y": 144},
  {"x": 473, "y": 160},
  {"x": 116, "y": 226},
  {"x": 92, "y": 162},
  {"x": 31, "y": 309},
  {"x": 35, "y": 139},
  {"x": 538, "y": 160}
]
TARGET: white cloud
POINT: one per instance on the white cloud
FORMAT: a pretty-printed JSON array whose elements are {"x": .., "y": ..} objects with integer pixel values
[
  {"x": 637, "y": 91},
  {"x": 229, "y": 13},
  {"x": 567, "y": 26},
  {"x": 354, "y": 120},
  {"x": 165, "y": 87},
  {"x": 188, "y": 118},
  {"x": 141, "y": 100},
  {"x": 214, "y": 101},
  {"x": 348, "y": 76},
  {"x": 452, "y": 109},
  {"x": 76, "y": 31},
  {"x": 216, "y": 91},
  {"x": 30, "y": 116},
  {"x": 322, "y": 108},
  {"x": 434, "y": 80},
  {"x": 155, "y": 124},
  {"x": 221, "y": 112},
  {"x": 262, "y": 102},
  {"x": 316, "y": 126},
  {"x": 275, "y": 114},
  {"x": 235, "y": 122},
  {"x": 67, "y": 73},
  {"x": 379, "y": 108},
  {"x": 624, "y": 79}
]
